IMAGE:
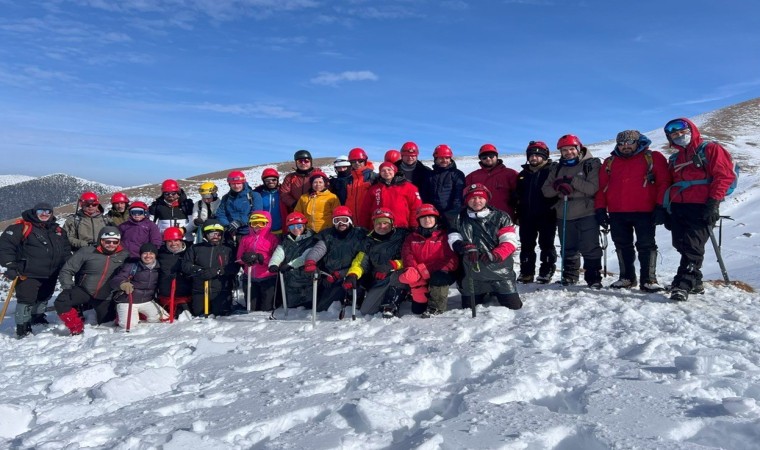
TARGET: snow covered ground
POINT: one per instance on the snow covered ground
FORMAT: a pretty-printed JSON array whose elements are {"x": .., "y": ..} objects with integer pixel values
[
  {"x": 7, "y": 180},
  {"x": 574, "y": 369}
]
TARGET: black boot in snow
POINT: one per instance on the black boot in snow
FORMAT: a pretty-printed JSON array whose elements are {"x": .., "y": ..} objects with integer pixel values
[
  {"x": 39, "y": 319},
  {"x": 23, "y": 330}
]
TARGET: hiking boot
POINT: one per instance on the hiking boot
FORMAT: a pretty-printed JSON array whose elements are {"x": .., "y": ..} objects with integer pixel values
[
  {"x": 543, "y": 279},
  {"x": 525, "y": 278},
  {"x": 39, "y": 319},
  {"x": 698, "y": 288},
  {"x": 651, "y": 286},
  {"x": 567, "y": 282},
  {"x": 23, "y": 330},
  {"x": 679, "y": 295},
  {"x": 623, "y": 283},
  {"x": 425, "y": 315},
  {"x": 389, "y": 311},
  {"x": 596, "y": 285}
]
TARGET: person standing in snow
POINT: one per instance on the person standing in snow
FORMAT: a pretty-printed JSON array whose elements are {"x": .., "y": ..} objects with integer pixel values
[
  {"x": 136, "y": 283},
  {"x": 339, "y": 182},
  {"x": 83, "y": 227},
  {"x": 536, "y": 215},
  {"x": 500, "y": 180},
  {"x": 632, "y": 183},
  {"x": 172, "y": 208},
  {"x": 204, "y": 209},
  {"x": 393, "y": 191},
  {"x": 236, "y": 206},
  {"x": 84, "y": 280},
  {"x": 137, "y": 230},
  {"x": 118, "y": 213},
  {"x": 270, "y": 198},
  {"x": 445, "y": 183},
  {"x": 255, "y": 252},
  {"x": 429, "y": 262},
  {"x": 33, "y": 250},
  {"x": 296, "y": 183},
  {"x": 319, "y": 203},
  {"x": 362, "y": 177},
  {"x": 170, "y": 273},
  {"x": 415, "y": 172},
  {"x": 574, "y": 181},
  {"x": 694, "y": 207},
  {"x": 288, "y": 259},
  {"x": 486, "y": 240}
]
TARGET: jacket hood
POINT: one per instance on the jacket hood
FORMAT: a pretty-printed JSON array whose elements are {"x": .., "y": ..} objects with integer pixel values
[
  {"x": 268, "y": 226},
  {"x": 644, "y": 143},
  {"x": 30, "y": 215},
  {"x": 696, "y": 136},
  {"x": 245, "y": 191}
]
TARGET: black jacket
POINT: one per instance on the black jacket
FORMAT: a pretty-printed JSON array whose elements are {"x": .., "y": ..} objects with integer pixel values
[
  {"x": 41, "y": 254},
  {"x": 334, "y": 251},
  {"x": 218, "y": 259},
  {"x": 297, "y": 278},
  {"x": 170, "y": 267},
  {"x": 378, "y": 252},
  {"x": 531, "y": 202},
  {"x": 446, "y": 186}
]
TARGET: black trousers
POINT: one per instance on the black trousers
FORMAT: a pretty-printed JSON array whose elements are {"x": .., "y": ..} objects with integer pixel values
[
  {"x": 623, "y": 226},
  {"x": 76, "y": 296},
  {"x": 262, "y": 293},
  {"x": 544, "y": 229},
  {"x": 581, "y": 238},
  {"x": 690, "y": 234}
]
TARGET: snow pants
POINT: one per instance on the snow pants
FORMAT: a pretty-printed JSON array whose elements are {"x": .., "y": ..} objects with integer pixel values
[
  {"x": 544, "y": 229},
  {"x": 262, "y": 292},
  {"x": 76, "y": 296},
  {"x": 32, "y": 295},
  {"x": 151, "y": 310},
  {"x": 622, "y": 229},
  {"x": 581, "y": 238},
  {"x": 690, "y": 234}
]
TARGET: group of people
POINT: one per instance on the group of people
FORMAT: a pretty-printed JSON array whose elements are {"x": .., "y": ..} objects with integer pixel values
[{"x": 405, "y": 232}]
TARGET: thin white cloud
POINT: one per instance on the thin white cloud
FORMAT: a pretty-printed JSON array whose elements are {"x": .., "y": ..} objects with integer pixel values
[
  {"x": 723, "y": 92},
  {"x": 257, "y": 110},
  {"x": 333, "y": 79}
]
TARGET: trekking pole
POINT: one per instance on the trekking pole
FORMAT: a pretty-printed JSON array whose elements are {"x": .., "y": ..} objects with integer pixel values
[
  {"x": 129, "y": 313},
  {"x": 564, "y": 236},
  {"x": 604, "y": 231},
  {"x": 353, "y": 304},
  {"x": 274, "y": 303},
  {"x": 172, "y": 301},
  {"x": 716, "y": 247},
  {"x": 314, "y": 300},
  {"x": 248, "y": 291},
  {"x": 281, "y": 276},
  {"x": 8, "y": 299},
  {"x": 205, "y": 299}
]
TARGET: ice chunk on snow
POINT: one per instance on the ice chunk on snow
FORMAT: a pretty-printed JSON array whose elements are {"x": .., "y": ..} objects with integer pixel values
[
  {"x": 14, "y": 420},
  {"x": 139, "y": 386},
  {"x": 85, "y": 378}
]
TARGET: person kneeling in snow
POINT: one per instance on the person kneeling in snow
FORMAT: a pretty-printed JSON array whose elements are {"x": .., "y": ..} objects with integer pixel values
[
  {"x": 486, "y": 239},
  {"x": 429, "y": 263},
  {"x": 136, "y": 283},
  {"x": 254, "y": 252},
  {"x": 288, "y": 259}
]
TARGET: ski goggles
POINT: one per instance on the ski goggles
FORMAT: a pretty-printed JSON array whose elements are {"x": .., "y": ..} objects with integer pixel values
[
  {"x": 295, "y": 226},
  {"x": 343, "y": 220},
  {"x": 46, "y": 212},
  {"x": 136, "y": 212},
  {"x": 676, "y": 125}
]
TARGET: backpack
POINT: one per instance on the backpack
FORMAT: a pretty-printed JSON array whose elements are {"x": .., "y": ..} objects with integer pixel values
[
  {"x": 648, "y": 179},
  {"x": 699, "y": 160},
  {"x": 26, "y": 228}
]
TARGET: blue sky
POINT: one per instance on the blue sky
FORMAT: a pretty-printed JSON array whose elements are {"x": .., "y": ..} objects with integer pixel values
[{"x": 136, "y": 91}]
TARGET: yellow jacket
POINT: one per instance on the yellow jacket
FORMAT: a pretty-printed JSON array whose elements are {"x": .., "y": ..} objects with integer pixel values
[{"x": 318, "y": 208}]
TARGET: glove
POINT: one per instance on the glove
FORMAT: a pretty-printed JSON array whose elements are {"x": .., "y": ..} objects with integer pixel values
[
  {"x": 198, "y": 221},
  {"x": 273, "y": 269},
  {"x": 395, "y": 264},
  {"x": 209, "y": 273},
  {"x": 310, "y": 266},
  {"x": 489, "y": 257},
  {"x": 197, "y": 271},
  {"x": 660, "y": 216},
  {"x": 127, "y": 287},
  {"x": 234, "y": 225},
  {"x": 10, "y": 274},
  {"x": 602, "y": 217},
  {"x": 250, "y": 258},
  {"x": 285, "y": 267},
  {"x": 470, "y": 252},
  {"x": 380, "y": 276},
  {"x": 563, "y": 180},
  {"x": 458, "y": 247},
  {"x": 333, "y": 277},
  {"x": 350, "y": 282},
  {"x": 712, "y": 212}
]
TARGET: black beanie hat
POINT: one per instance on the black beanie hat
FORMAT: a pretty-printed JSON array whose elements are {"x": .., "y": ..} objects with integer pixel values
[
  {"x": 42, "y": 205},
  {"x": 148, "y": 247}
]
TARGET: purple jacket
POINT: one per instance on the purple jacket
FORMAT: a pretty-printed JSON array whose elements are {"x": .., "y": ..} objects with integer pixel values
[
  {"x": 135, "y": 234},
  {"x": 144, "y": 280}
]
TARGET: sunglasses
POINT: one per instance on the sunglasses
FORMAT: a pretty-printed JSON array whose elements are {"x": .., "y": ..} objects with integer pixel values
[
  {"x": 628, "y": 142},
  {"x": 271, "y": 180},
  {"x": 213, "y": 233},
  {"x": 46, "y": 212},
  {"x": 357, "y": 161},
  {"x": 676, "y": 125},
  {"x": 91, "y": 205},
  {"x": 341, "y": 220},
  {"x": 171, "y": 193},
  {"x": 109, "y": 242},
  {"x": 207, "y": 196},
  {"x": 136, "y": 212},
  {"x": 488, "y": 156},
  {"x": 303, "y": 160}
]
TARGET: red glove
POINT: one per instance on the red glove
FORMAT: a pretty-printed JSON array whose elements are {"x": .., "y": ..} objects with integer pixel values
[
  {"x": 395, "y": 264},
  {"x": 310, "y": 266},
  {"x": 350, "y": 282},
  {"x": 380, "y": 275},
  {"x": 490, "y": 257},
  {"x": 470, "y": 252},
  {"x": 333, "y": 277}
]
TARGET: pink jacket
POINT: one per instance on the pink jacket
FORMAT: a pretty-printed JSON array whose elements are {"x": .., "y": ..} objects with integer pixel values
[{"x": 264, "y": 242}]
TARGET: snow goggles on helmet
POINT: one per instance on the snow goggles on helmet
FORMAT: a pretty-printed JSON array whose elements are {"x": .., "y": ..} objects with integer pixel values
[
  {"x": 295, "y": 226},
  {"x": 342, "y": 220},
  {"x": 676, "y": 125}
]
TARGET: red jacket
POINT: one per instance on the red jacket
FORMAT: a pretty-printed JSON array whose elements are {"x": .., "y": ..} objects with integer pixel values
[
  {"x": 357, "y": 188},
  {"x": 623, "y": 186},
  {"x": 293, "y": 187},
  {"x": 719, "y": 167},
  {"x": 401, "y": 197},
  {"x": 501, "y": 181},
  {"x": 429, "y": 254}
]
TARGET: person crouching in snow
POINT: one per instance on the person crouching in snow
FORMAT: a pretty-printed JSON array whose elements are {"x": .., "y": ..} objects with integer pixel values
[
  {"x": 139, "y": 281},
  {"x": 212, "y": 266},
  {"x": 486, "y": 239},
  {"x": 255, "y": 251},
  {"x": 380, "y": 262},
  {"x": 171, "y": 280},
  {"x": 288, "y": 259},
  {"x": 430, "y": 263}
]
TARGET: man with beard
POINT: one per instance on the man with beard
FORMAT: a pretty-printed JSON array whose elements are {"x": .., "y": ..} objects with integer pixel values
[
  {"x": 445, "y": 183},
  {"x": 536, "y": 215},
  {"x": 171, "y": 280},
  {"x": 296, "y": 183},
  {"x": 84, "y": 226},
  {"x": 500, "y": 180}
]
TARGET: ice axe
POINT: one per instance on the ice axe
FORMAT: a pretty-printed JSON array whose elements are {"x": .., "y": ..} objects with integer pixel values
[
  {"x": 605, "y": 243},
  {"x": 8, "y": 299},
  {"x": 716, "y": 247}
]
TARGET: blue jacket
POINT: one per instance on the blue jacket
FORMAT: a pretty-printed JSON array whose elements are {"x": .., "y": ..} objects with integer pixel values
[
  {"x": 271, "y": 203},
  {"x": 238, "y": 206}
]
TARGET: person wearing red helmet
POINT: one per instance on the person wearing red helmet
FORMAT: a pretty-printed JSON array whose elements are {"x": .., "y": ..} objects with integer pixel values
[
  {"x": 270, "y": 198},
  {"x": 297, "y": 183},
  {"x": 319, "y": 203},
  {"x": 536, "y": 215},
  {"x": 573, "y": 181},
  {"x": 445, "y": 185},
  {"x": 701, "y": 180},
  {"x": 500, "y": 180},
  {"x": 333, "y": 253},
  {"x": 172, "y": 208},
  {"x": 118, "y": 213},
  {"x": 237, "y": 205},
  {"x": 362, "y": 177},
  {"x": 137, "y": 230},
  {"x": 391, "y": 190},
  {"x": 378, "y": 265},
  {"x": 485, "y": 238},
  {"x": 414, "y": 170},
  {"x": 632, "y": 183},
  {"x": 171, "y": 280},
  {"x": 392, "y": 156},
  {"x": 429, "y": 262},
  {"x": 82, "y": 227},
  {"x": 288, "y": 259}
]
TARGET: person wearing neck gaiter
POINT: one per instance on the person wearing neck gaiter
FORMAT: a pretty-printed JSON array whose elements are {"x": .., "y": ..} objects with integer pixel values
[{"x": 139, "y": 281}]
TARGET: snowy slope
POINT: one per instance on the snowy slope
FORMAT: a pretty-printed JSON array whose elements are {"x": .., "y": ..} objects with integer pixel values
[
  {"x": 6, "y": 180},
  {"x": 574, "y": 369}
]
